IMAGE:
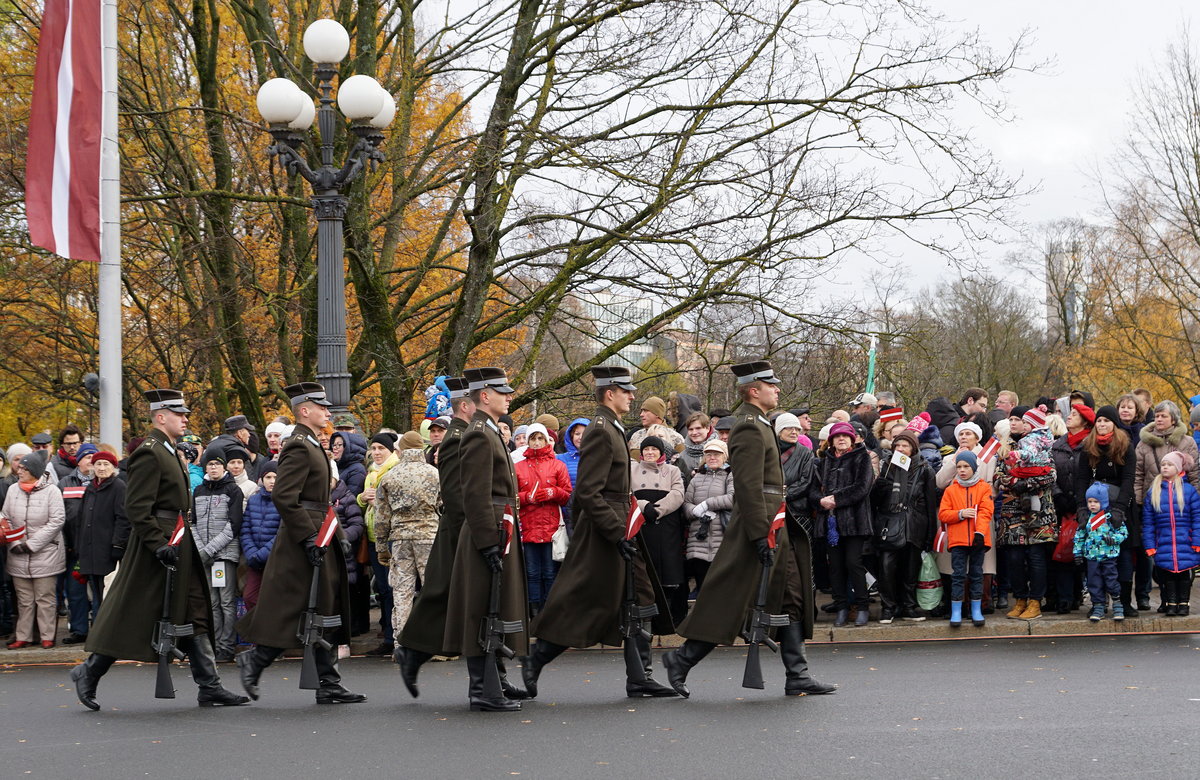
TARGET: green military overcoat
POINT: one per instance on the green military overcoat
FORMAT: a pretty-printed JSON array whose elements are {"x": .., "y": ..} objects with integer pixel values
[
  {"x": 157, "y": 484},
  {"x": 426, "y": 627},
  {"x": 584, "y": 607},
  {"x": 731, "y": 585},
  {"x": 303, "y": 476},
  {"x": 488, "y": 485}
]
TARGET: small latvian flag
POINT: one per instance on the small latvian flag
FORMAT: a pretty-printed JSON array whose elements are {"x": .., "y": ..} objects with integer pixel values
[
  {"x": 1096, "y": 521},
  {"x": 12, "y": 535},
  {"x": 776, "y": 524},
  {"x": 508, "y": 527},
  {"x": 634, "y": 520},
  {"x": 989, "y": 450},
  {"x": 328, "y": 528},
  {"x": 73, "y": 492},
  {"x": 177, "y": 534}
]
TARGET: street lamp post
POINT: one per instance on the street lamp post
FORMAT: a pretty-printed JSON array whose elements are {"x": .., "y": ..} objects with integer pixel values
[{"x": 290, "y": 114}]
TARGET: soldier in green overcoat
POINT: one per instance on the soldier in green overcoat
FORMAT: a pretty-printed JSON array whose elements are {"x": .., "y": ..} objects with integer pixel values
[
  {"x": 301, "y": 495},
  {"x": 585, "y": 603},
  {"x": 489, "y": 544},
  {"x": 731, "y": 585},
  {"x": 156, "y": 498}
]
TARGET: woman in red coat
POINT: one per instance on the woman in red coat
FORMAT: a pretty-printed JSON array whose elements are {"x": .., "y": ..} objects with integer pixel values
[{"x": 543, "y": 487}]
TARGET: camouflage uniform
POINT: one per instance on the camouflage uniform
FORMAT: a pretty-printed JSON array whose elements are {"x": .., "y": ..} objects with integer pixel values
[{"x": 407, "y": 512}]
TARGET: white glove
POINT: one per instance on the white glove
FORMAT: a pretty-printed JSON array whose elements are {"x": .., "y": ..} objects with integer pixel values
[{"x": 699, "y": 509}]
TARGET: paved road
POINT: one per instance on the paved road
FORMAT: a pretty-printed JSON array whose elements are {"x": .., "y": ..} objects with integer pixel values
[{"x": 1089, "y": 706}]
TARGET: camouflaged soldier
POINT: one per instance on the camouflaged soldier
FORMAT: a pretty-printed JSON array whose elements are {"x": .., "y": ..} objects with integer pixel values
[{"x": 407, "y": 510}]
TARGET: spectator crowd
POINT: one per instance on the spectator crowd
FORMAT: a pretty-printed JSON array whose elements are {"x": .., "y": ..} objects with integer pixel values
[{"x": 959, "y": 511}]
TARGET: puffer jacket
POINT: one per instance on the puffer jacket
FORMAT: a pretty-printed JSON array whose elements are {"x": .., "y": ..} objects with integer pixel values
[
  {"x": 1151, "y": 447},
  {"x": 570, "y": 458},
  {"x": 714, "y": 489},
  {"x": 848, "y": 479},
  {"x": 217, "y": 519},
  {"x": 41, "y": 512},
  {"x": 1101, "y": 544},
  {"x": 540, "y": 513},
  {"x": 1173, "y": 533},
  {"x": 354, "y": 525},
  {"x": 260, "y": 523}
]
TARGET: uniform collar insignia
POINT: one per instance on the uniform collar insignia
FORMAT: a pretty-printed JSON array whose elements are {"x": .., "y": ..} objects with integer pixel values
[
  {"x": 764, "y": 420},
  {"x": 313, "y": 440},
  {"x": 492, "y": 424}
]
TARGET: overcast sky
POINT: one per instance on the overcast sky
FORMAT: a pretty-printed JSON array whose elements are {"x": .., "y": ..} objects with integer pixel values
[{"x": 1069, "y": 118}]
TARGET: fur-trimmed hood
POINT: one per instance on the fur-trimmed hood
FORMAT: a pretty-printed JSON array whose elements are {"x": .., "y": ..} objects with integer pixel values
[{"x": 1175, "y": 436}]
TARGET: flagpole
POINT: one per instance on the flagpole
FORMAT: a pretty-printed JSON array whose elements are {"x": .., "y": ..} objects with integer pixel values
[{"x": 109, "y": 283}]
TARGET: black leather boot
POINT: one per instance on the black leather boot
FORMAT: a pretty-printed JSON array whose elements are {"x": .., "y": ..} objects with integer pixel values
[
  {"x": 680, "y": 661},
  {"x": 252, "y": 663},
  {"x": 510, "y": 691},
  {"x": 795, "y": 663},
  {"x": 1127, "y": 600},
  {"x": 531, "y": 665},
  {"x": 410, "y": 662},
  {"x": 87, "y": 676},
  {"x": 204, "y": 672},
  {"x": 331, "y": 690},
  {"x": 647, "y": 687},
  {"x": 476, "y": 669}
]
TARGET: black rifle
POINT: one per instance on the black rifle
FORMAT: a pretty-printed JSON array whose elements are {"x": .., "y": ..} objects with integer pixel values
[
  {"x": 491, "y": 639},
  {"x": 756, "y": 633},
  {"x": 166, "y": 645},
  {"x": 311, "y": 634},
  {"x": 633, "y": 626}
]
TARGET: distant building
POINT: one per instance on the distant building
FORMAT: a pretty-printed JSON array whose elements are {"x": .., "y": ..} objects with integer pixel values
[{"x": 611, "y": 315}]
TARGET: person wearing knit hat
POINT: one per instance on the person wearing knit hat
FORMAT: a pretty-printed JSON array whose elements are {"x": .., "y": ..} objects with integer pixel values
[
  {"x": 1098, "y": 542},
  {"x": 382, "y": 458},
  {"x": 550, "y": 422},
  {"x": 520, "y": 436},
  {"x": 73, "y": 481},
  {"x": 966, "y": 516},
  {"x": 968, "y": 427},
  {"x": 904, "y": 502},
  {"x": 411, "y": 440},
  {"x": 274, "y": 433},
  {"x": 1107, "y": 456},
  {"x": 34, "y": 508},
  {"x": 35, "y": 463},
  {"x": 1035, "y": 418},
  {"x": 1170, "y": 515},
  {"x": 785, "y": 421},
  {"x": 106, "y": 457},
  {"x": 654, "y": 413}
]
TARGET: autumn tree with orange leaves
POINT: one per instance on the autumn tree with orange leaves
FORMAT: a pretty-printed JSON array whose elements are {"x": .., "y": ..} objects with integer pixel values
[{"x": 686, "y": 152}]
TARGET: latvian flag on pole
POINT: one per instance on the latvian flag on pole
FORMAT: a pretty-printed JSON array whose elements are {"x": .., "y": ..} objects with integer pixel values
[
  {"x": 989, "y": 450},
  {"x": 62, "y": 169},
  {"x": 328, "y": 528},
  {"x": 634, "y": 520},
  {"x": 777, "y": 523},
  {"x": 509, "y": 527},
  {"x": 177, "y": 534}
]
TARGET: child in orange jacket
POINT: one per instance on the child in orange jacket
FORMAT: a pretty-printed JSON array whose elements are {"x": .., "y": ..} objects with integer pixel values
[{"x": 966, "y": 512}]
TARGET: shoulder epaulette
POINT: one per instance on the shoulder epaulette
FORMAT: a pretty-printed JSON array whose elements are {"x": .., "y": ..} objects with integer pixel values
[{"x": 149, "y": 442}]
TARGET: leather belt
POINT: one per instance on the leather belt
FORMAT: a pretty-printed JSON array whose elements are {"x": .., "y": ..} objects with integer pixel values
[
  {"x": 163, "y": 514},
  {"x": 315, "y": 506}
]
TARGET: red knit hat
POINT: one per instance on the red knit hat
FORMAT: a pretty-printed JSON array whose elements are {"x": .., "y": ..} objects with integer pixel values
[
  {"x": 105, "y": 456},
  {"x": 919, "y": 423},
  {"x": 1035, "y": 418},
  {"x": 1087, "y": 413}
]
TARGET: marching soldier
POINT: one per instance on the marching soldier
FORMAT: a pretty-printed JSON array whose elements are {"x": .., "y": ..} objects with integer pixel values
[
  {"x": 730, "y": 587},
  {"x": 156, "y": 498},
  {"x": 491, "y": 542},
  {"x": 585, "y": 603},
  {"x": 301, "y": 495}
]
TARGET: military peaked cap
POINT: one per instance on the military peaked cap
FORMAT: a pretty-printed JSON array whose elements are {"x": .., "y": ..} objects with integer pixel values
[
  {"x": 306, "y": 391},
  {"x": 487, "y": 378},
  {"x": 613, "y": 375},
  {"x": 457, "y": 387},
  {"x": 756, "y": 371},
  {"x": 171, "y": 400}
]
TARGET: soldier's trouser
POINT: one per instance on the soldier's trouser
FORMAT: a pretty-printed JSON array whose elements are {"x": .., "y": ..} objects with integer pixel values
[
  {"x": 405, "y": 573},
  {"x": 224, "y": 608}
]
